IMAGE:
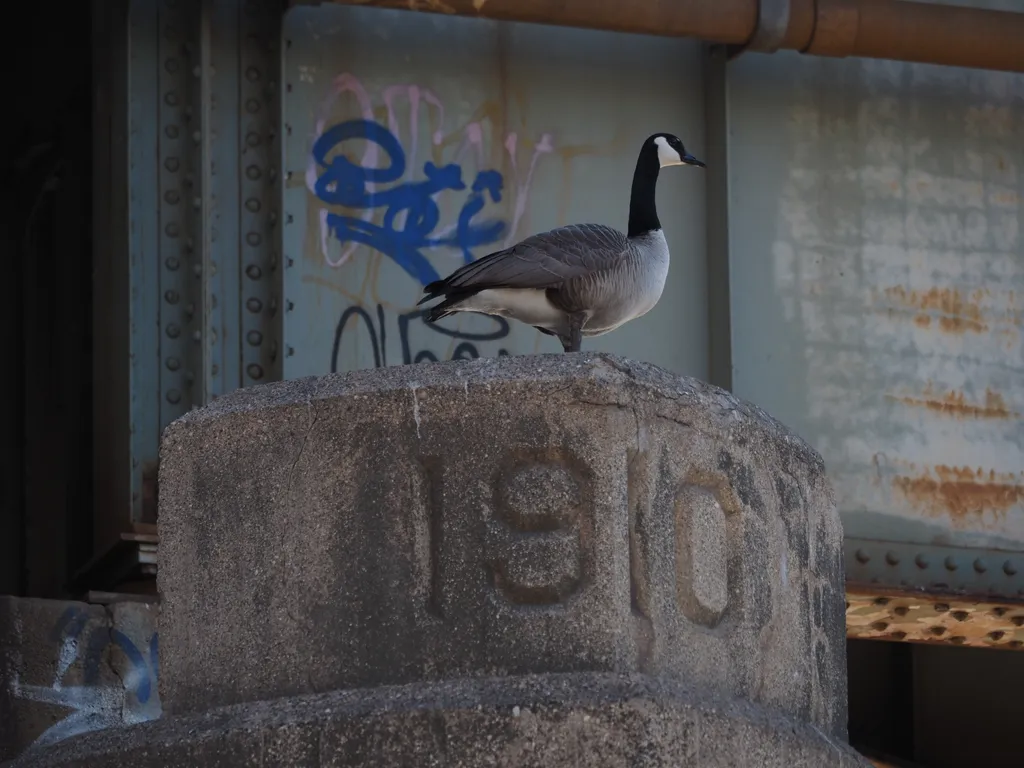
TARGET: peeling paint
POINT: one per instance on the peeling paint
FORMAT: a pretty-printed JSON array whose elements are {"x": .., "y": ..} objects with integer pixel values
[
  {"x": 955, "y": 403},
  {"x": 950, "y": 309},
  {"x": 961, "y": 491}
]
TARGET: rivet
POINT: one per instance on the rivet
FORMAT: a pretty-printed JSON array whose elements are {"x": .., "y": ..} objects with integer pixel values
[
  {"x": 197, "y": 336},
  {"x": 197, "y": 71},
  {"x": 171, "y": 99},
  {"x": 171, "y": 65},
  {"x": 173, "y": 364},
  {"x": 172, "y": 197},
  {"x": 254, "y": 304},
  {"x": 950, "y": 563},
  {"x": 172, "y": 164},
  {"x": 173, "y": 396},
  {"x": 252, "y": 74},
  {"x": 252, "y": 139},
  {"x": 214, "y": 370},
  {"x": 290, "y": 350},
  {"x": 173, "y": 331},
  {"x": 189, "y": 377},
  {"x": 996, "y": 636},
  {"x": 171, "y": 296},
  {"x": 273, "y": 171},
  {"x": 171, "y": 230},
  {"x": 197, "y": 136},
  {"x": 879, "y": 626},
  {"x": 252, "y": 205},
  {"x": 254, "y": 371},
  {"x": 960, "y": 615},
  {"x": 1009, "y": 568},
  {"x": 979, "y": 565},
  {"x": 891, "y": 558},
  {"x": 289, "y": 305},
  {"x": 252, "y": 106},
  {"x": 172, "y": 263},
  {"x": 255, "y": 338},
  {"x": 253, "y": 172},
  {"x": 197, "y": 203},
  {"x": 190, "y": 244},
  {"x": 190, "y": 309},
  {"x": 272, "y": 218},
  {"x": 253, "y": 239},
  {"x": 171, "y": 131},
  {"x": 937, "y": 630},
  {"x": 197, "y": 270},
  {"x": 254, "y": 272},
  {"x": 921, "y": 561}
]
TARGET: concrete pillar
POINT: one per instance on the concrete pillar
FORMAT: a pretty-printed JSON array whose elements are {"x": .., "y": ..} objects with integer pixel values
[{"x": 547, "y": 560}]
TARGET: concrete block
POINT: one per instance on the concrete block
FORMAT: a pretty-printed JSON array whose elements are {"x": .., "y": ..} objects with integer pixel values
[
  {"x": 596, "y": 720},
  {"x": 541, "y": 514}
]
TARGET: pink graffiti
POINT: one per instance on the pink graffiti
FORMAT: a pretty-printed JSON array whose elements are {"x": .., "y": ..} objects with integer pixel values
[
  {"x": 341, "y": 84},
  {"x": 543, "y": 147}
]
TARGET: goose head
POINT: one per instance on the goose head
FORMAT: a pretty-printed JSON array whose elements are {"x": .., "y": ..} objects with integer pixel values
[{"x": 670, "y": 151}]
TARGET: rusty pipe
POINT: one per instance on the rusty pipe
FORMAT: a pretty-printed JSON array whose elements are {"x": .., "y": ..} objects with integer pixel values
[{"x": 901, "y": 30}]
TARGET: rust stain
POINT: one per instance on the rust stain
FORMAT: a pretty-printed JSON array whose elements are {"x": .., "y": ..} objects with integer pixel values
[
  {"x": 961, "y": 491},
  {"x": 957, "y": 313},
  {"x": 955, "y": 404}
]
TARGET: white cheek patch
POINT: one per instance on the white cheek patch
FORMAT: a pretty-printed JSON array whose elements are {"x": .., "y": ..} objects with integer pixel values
[{"x": 667, "y": 155}]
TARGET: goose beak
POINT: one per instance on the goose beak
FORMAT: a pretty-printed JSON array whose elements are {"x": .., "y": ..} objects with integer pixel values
[{"x": 691, "y": 160}]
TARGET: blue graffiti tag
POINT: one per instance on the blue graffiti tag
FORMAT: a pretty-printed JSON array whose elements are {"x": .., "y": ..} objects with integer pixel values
[{"x": 343, "y": 183}]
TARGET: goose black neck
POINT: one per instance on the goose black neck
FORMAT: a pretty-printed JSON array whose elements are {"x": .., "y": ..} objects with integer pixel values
[{"x": 643, "y": 212}]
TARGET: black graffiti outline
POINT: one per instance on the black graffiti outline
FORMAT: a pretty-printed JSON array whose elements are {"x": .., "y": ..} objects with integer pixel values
[{"x": 465, "y": 350}]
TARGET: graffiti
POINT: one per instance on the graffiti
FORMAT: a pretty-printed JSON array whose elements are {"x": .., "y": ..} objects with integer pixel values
[
  {"x": 465, "y": 342},
  {"x": 94, "y": 702},
  {"x": 387, "y": 175},
  {"x": 344, "y": 183}
]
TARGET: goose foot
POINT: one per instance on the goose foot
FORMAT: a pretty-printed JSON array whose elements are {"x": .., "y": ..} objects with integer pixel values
[{"x": 575, "y": 339}]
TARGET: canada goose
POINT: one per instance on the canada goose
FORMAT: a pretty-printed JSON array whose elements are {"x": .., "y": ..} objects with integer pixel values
[{"x": 577, "y": 280}]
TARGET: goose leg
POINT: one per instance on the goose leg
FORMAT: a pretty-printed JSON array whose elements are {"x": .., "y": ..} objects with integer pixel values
[{"x": 572, "y": 344}]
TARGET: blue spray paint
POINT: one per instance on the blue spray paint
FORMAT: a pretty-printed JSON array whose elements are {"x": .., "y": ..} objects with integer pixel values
[{"x": 343, "y": 183}]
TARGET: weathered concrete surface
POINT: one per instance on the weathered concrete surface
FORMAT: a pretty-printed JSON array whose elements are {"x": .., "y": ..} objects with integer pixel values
[
  {"x": 544, "y": 514},
  {"x": 594, "y": 720},
  {"x": 68, "y": 668}
]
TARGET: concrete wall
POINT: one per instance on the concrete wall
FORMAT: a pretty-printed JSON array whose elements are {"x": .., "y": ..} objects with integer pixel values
[
  {"x": 68, "y": 668},
  {"x": 877, "y": 279},
  {"x": 544, "y": 125}
]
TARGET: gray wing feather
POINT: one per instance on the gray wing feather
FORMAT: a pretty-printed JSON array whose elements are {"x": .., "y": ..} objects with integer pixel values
[{"x": 547, "y": 260}]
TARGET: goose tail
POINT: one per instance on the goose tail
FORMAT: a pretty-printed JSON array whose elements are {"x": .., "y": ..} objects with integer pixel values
[{"x": 452, "y": 298}]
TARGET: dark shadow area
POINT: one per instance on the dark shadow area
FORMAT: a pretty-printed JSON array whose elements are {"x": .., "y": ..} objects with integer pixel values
[
  {"x": 934, "y": 706},
  {"x": 45, "y": 302}
]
